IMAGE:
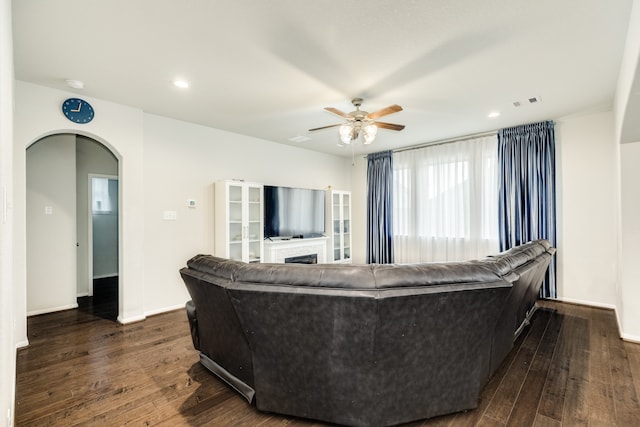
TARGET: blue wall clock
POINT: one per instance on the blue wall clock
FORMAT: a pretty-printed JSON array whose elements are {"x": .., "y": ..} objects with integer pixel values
[{"x": 78, "y": 110}]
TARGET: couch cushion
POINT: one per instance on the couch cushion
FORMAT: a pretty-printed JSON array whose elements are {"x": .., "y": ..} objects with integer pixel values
[
  {"x": 348, "y": 276},
  {"x": 411, "y": 275},
  {"x": 520, "y": 255},
  {"x": 218, "y": 267}
]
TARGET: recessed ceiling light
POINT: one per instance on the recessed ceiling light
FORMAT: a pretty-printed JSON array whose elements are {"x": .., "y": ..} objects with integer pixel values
[
  {"x": 493, "y": 114},
  {"x": 75, "y": 84},
  {"x": 299, "y": 138},
  {"x": 181, "y": 84}
]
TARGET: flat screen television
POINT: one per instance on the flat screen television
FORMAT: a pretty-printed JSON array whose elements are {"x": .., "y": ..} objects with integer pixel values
[{"x": 293, "y": 212}]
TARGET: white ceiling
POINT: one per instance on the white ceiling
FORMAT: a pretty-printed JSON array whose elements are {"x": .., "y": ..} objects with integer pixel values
[{"x": 268, "y": 68}]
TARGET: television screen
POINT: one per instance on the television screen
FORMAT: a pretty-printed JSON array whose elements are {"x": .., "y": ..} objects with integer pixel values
[{"x": 293, "y": 212}]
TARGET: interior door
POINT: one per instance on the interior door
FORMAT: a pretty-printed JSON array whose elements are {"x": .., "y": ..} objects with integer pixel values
[{"x": 103, "y": 229}]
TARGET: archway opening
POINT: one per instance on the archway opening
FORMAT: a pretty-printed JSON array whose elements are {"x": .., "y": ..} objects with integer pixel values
[{"x": 67, "y": 261}]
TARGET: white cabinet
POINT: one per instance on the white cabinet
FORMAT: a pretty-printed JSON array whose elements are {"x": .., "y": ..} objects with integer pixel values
[
  {"x": 340, "y": 226},
  {"x": 239, "y": 226}
]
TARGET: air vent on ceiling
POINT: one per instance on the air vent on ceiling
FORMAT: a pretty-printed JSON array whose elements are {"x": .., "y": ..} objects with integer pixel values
[{"x": 532, "y": 100}]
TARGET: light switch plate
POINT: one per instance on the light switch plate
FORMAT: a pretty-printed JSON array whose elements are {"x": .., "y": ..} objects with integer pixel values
[{"x": 169, "y": 215}]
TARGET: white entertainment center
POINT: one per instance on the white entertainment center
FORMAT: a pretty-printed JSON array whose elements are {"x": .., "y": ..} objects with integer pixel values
[{"x": 240, "y": 227}]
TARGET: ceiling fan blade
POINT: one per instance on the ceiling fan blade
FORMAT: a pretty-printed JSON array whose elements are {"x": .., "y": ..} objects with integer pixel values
[
  {"x": 338, "y": 112},
  {"x": 325, "y": 127},
  {"x": 390, "y": 126},
  {"x": 389, "y": 110}
]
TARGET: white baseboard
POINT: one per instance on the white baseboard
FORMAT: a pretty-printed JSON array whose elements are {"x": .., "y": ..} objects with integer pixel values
[
  {"x": 52, "y": 309},
  {"x": 82, "y": 294},
  {"x": 618, "y": 322},
  {"x": 21, "y": 344},
  {"x": 132, "y": 319},
  {"x": 587, "y": 303},
  {"x": 631, "y": 338},
  {"x": 146, "y": 314},
  {"x": 164, "y": 310},
  {"x": 626, "y": 337}
]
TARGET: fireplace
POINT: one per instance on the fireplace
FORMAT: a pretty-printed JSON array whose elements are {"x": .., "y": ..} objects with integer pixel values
[
  {"x": 288, "y": 250},
  {"x": 302, "y": 259}
]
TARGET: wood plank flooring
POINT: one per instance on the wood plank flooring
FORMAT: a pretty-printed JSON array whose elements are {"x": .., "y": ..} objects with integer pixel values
[
  {"x": 104, "y": 302},
  {"x": 567, "y": 368}
]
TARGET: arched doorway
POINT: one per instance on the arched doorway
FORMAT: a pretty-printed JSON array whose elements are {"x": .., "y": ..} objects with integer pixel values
[{"x": 59, "y": 223}]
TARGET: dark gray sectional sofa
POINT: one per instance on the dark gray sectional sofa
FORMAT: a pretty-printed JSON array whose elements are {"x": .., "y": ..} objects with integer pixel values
[{"x": 361, "y": 345}]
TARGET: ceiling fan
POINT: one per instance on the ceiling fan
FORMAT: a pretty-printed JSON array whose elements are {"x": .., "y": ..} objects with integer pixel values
[{"x": 361, "y": 121}]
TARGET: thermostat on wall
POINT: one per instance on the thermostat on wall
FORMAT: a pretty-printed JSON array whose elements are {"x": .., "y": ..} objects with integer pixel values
[{"x": 191, "y": 203}]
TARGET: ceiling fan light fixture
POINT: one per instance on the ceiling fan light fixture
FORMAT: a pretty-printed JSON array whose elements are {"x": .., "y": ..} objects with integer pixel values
[
  {"x": 369, "y": 134},
  {"x": 346, "y": 134},
  {"x": 361, "y": 122}
]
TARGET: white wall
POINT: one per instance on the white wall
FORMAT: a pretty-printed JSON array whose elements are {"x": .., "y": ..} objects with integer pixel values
[
  {"x": 629, "y": 313},
  {"x": 37, "y": 114},
  {"x": 628, "y": 294},
  {"x": 181, "y": 162},
  {"x": 586, "y": 208},
  {"x": 7, "y": 309},
  {"x": 51, "y": 224},
  {"x": 162, "y": 163},
  {"x": 628, "y": 73},
  {"x": 358, "y": 170}
]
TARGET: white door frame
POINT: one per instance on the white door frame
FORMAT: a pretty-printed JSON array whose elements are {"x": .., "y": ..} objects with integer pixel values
[{"x": 90, "y": 224}]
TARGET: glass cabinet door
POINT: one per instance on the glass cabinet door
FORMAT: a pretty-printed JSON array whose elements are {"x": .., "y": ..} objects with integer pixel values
[
  {"x": 346, "y": 225},
  {"x": 337, "y": 227},
  {"x": 341, "y": 225},
  {"x": 254, "y": 223},
  {"x": 239, "y": 220},
  {"x": 234, "y": 222}
]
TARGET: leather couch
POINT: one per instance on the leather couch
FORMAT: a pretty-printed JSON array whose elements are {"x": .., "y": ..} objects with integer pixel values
[{"x": 361, "y": 345}]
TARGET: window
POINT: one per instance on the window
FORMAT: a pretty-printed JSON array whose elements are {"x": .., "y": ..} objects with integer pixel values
[
  {"x": 104, "y": 190},
  {"x": 445, "y": 201}
]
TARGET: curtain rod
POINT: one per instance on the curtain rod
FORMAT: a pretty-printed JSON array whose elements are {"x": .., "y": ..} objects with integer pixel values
[
  {"x": 450, "y": 140},
  {"x": 445, "y": 141},
  {"x": 458, "y": 139}
]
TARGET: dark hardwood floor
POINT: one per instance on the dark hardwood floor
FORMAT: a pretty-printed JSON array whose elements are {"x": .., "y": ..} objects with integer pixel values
[
  {"x": 104, "y": 302},
  {"x": 567, "y": 368}
]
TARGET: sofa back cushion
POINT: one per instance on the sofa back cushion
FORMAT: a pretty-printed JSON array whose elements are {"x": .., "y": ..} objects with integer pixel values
[{"x": 347, "y": 276}]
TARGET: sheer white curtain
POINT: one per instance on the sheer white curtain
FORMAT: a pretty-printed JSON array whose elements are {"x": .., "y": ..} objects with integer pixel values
[{"x": 445, "y": 201}]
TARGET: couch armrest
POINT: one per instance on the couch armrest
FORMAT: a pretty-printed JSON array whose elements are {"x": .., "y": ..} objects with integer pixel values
[{"x": 193, "y": 324}]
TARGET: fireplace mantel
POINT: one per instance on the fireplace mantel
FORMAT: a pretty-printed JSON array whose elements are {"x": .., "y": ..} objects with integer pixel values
[{"x": 275, "y": 251}]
